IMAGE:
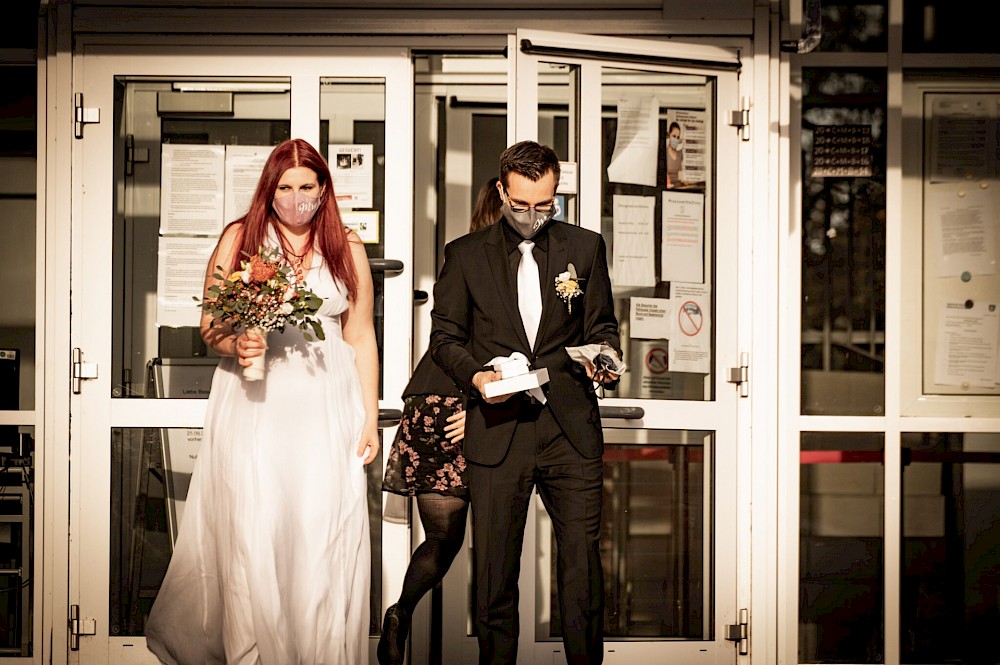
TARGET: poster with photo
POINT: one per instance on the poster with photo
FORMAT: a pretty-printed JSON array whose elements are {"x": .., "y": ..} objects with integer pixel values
[
  {"x": 687, "y": 149},
  {"x": 353, "y": 176}
]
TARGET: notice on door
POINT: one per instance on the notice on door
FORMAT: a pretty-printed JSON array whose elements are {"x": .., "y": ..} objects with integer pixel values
[
  {"x": 180, "y": 278},
  {"x": 244, "y": 164},
  {"x": 683, "y": 243},
  {"x": 691, "y": 345},
  {"x": 192, "y": 178},
  {"x": 353, "y": 175},
  {"x": 655, "y": 381},
  {"x": 632, "y": 251}
]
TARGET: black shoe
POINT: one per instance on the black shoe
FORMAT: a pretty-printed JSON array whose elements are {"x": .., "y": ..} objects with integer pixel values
[{"x": 395, "y": 628}]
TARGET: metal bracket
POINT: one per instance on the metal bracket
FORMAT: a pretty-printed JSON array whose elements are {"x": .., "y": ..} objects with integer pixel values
[
  {"x": 134, "y": 155},
  {"x": 81, "y": 371},
  {"x": 739, "y": 632},
  {"x": 83, "y": 116},
  {"x": 78, "y": 627},
  {"x": 741, "y": 118},
  {"x": 741, "y": 375}
]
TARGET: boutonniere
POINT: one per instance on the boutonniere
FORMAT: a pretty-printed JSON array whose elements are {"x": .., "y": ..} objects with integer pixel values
[{"x": 568, "y": 286}]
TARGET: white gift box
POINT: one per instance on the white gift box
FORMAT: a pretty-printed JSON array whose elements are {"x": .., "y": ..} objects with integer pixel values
[
  {"x": 515, "y": 384},
  {"x": 515, "y": 365}
]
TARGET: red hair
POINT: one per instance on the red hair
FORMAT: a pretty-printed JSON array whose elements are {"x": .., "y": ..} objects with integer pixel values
[{"x": 326, "y": 232}]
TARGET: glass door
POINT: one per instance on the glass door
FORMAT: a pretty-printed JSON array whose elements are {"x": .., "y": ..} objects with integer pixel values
[
  {"x": 176, "y": 153},
  {"x": 650, "y": 162}
]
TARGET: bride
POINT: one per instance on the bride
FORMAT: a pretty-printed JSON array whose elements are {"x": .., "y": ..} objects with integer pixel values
[{"x": 272, "y": 560}]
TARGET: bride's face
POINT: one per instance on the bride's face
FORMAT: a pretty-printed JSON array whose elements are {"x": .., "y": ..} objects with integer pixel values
[{"x": 297, "y": 179}]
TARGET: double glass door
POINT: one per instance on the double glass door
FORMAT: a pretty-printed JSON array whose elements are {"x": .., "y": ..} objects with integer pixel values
[
  {"x": 650, "y": 162},
  {"x": 177, "y": 151}
]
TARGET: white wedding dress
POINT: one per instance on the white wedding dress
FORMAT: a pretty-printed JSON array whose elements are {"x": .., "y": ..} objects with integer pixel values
[{"x": 272, "y": 560}]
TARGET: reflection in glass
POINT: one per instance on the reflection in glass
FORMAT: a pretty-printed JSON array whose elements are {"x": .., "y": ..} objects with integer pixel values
[
  {"x": 165, "y": 226},
  {"x": 352, "y": 138},
  {"x": 934, "y": 26},
  {"x": 655, "y": 538},
  {"x": 854, "y": 27},
  {"x": 151, "y": 471},
  {"x": 841, "y": 569},
  {"x": 950, "y": 583},
  {"x": 658, "y": 220},
  {"x": 559, "y": 127},
  {"x": 843, "y": 251},
  {"x": 17, "y": 519}
]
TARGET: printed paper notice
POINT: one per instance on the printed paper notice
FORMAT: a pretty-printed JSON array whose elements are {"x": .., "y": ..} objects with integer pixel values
[
  {"x": 633, "y": 243},
  {"x": 963, "y": 138},
  {"x": 683, "y": 253},
  {"x": 687, "y": 149},
  {"x": 691, "y": 344},
  {"x": 634, "y": 158},
  {"x": 183, "y": 446},
  {"x": 364, "y": 223},
  {"x": 351, "y": 166},
  {"x": 968, "y": 335},
  {"x": 650, "y": 318},
  {"x": 191, "y": 189},
  {"x": 963, "y": 215},
  {"x": 180, "y": 278},
  {"x": 244, "y": 164}
]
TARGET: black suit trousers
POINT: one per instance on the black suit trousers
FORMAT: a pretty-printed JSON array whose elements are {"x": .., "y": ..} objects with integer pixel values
[{"x": 570, "y": 487}]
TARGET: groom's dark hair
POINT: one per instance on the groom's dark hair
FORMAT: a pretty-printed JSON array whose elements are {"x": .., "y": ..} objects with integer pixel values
[{"x": 528, "y": 159}]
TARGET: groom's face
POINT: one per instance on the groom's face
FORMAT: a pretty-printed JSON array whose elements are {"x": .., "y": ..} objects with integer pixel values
[{"x": 523, "y": 192}]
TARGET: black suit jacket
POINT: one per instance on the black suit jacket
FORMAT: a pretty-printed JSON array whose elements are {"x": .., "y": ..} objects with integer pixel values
[{"x": 475, "y": 319}]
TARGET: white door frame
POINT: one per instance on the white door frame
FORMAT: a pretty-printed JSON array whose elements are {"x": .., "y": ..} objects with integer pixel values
[
  {"x": 95, "y": 412},
  {"x": 730, "y": 155}
]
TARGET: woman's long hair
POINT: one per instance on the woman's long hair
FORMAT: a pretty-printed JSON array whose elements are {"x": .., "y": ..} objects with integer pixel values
[
  {"x": 326, "y": 231},
  {"x": 488, "y": 204}
]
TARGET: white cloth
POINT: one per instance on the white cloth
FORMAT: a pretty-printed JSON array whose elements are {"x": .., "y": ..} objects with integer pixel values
[
  {"x": 529, "y": 291},
  {"x": 272, "y": 561}
]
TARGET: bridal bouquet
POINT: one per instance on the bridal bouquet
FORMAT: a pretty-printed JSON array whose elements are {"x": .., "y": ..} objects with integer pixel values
[{"x": 260, "y": 297}]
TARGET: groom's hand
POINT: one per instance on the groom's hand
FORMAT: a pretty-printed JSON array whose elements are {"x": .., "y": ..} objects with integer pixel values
[{"x": 481, "y": 379}]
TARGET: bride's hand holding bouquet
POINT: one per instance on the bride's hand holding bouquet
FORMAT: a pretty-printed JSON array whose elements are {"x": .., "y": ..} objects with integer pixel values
[{"x": 262, "y": 296}]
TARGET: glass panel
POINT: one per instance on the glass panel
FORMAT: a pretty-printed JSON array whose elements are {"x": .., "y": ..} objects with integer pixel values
[
  {"x": 949, "y": 591},
  {"x": 17, "y": 316},
  {"x": 843, "y": 241},
  {"x": 841, "y": 573},
  {"x": 658, "y": 219},
  {"x": 854, "y": 26},
  {"x": 17, "y": 547},
  {"x": 961, "y": 287},
  {"x": 187, "y": 157},
  {"x": 656, "y": 538},
  {"x": 939, "y": 26},
  {"x": 352, "y": 138},
  {"x": 559, "y": 127},
  {"x": 151, "y": 471}
]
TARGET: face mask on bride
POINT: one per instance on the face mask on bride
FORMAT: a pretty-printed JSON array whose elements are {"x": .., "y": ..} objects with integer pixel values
[{"x": 296, "y": 209}]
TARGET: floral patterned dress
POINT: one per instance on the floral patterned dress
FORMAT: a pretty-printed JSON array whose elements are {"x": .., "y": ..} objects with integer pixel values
[{"x": 422, "y": 459}]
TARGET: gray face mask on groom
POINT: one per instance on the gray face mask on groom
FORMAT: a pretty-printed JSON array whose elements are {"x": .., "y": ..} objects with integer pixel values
[{"x": 527, "y": 222}]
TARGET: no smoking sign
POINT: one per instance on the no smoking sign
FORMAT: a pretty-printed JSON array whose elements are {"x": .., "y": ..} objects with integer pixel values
[{"x": 690, "y": 318}]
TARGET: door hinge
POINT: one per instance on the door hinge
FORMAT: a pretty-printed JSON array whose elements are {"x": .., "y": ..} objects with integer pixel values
[
  {"x": 741, "y": 375},
  {"x": 81, "y": 371},
  {"x": 739, "y": 632},
  {"x": 741, "y": 118},
  {"x": 83, "y": 116},
  {"x": 78, "y": 627}
]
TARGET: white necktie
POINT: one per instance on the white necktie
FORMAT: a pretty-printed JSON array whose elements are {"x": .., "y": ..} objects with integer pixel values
[{"x": 529, "y": 292}]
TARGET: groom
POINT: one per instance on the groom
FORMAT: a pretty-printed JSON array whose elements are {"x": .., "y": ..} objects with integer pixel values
[{"x": 497, "y": 294}]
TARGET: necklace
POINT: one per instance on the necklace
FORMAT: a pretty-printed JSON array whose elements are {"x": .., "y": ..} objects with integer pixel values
[{"x": 297, "y": 261}]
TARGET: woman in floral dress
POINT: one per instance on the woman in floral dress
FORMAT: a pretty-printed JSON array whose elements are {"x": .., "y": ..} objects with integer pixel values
[{"x": 426, "y": 461}]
